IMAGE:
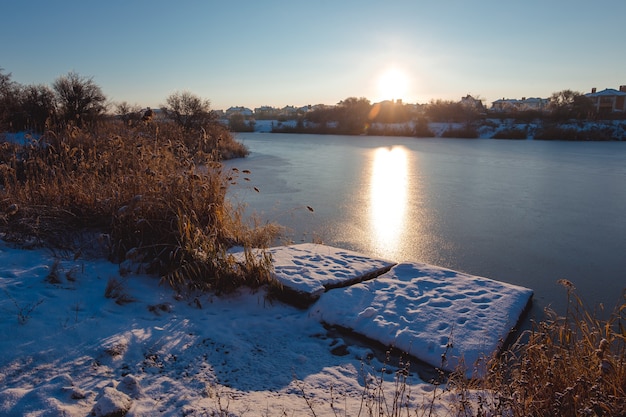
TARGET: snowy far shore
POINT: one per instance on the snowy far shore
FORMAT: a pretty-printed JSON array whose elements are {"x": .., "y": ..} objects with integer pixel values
[{"x": 486, "y": 129}]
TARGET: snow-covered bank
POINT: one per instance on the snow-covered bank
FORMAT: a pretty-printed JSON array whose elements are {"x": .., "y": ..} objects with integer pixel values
[
  {"x": 19, "y": 138},
  {"x": 486, "y": 129},
  {"x": 78, "y": 336}
]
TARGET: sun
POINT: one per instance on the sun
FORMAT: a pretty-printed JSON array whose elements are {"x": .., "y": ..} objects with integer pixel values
[{"x": 393, "y": 84}]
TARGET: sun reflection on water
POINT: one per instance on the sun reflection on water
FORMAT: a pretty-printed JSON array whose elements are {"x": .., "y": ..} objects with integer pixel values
[{"x": 388, "y": 198}]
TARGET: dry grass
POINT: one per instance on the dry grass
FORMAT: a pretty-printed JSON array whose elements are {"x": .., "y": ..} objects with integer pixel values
[
  {"x": 571, "y": 365},
  {"x": 156, "y": 194},
  {"x": 116, "y": 290}
]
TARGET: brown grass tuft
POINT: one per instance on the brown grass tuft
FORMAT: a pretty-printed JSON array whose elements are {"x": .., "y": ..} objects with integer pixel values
[
  {"x": 157, "y": 191},
  {"x": 115, "y": 290},
  {"x": 571, "y": 365}
]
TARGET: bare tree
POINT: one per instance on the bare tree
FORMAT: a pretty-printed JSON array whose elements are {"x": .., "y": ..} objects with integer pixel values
[
  {"x": 188, "y": 110},
  {"x": 568, "y": 104},
  {"x": 79, "y": 99},
  {"x": 128, "y": 113},
  {"x": 451, "y": 111},
  {"x": 352, "y": 114},
  {"x": 9, "y": 103},
  {"x": 38, "y": 106}
]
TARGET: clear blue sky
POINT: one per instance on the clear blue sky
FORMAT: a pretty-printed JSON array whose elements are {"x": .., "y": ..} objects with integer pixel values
[{"x": 279, "y": 53}]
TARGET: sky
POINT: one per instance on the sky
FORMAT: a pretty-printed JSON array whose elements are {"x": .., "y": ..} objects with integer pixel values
[{"x": 277, "y": 53}]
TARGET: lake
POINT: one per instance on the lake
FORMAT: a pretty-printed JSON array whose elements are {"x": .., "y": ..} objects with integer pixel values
[{"x": 525, "y": 212}]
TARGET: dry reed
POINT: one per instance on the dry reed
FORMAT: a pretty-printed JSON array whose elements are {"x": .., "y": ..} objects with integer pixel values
[
  {"x": 565, "y": 365},
  {"x": 154, "y": 193}
]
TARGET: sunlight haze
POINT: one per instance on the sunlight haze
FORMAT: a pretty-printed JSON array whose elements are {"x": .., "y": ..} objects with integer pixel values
[
  {"x": 279, "y": 53},
  {"x": 393, "y": 84}
]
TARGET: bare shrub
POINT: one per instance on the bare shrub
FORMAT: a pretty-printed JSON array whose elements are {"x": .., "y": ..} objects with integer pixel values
[
  {"x": 39, "y": 107},
  {"x": 128, "y": 113},
  {"x": 54, "y": 276},
  {"x": 116, "y": 290},
  {"x": 80, "y": 99},
  {"x": 10, "y": 110},
  {"x": 23, "y": 311},
  {"x": 188, "y": 110}
]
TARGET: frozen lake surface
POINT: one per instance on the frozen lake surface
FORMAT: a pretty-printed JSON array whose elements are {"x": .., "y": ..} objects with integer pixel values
[{"x": 523, "y": 212}]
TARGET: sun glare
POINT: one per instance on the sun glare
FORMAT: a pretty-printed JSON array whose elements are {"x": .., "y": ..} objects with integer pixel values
[
  {"x": 388, "y": 197},
  {"x": 393, "y": 84}
]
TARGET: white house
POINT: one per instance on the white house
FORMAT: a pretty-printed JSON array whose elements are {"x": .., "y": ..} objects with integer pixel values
[
  {"x": 525, "y": 104},
  {"x": 472, "y": 103},
  {"x": 608, "y": 100},
  {"x": 244, "y": 111}
]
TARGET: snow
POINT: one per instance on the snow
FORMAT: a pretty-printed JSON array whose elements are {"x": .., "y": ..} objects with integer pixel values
[
  {"x": 311, "y": 268},
  {"x": 69, "y": 350},
  {"x": 20, "y": 138},
  {"x": 607, "y": 92},
  {"x": 429, "y": 312},
  {"x": 110, "y": 402}
]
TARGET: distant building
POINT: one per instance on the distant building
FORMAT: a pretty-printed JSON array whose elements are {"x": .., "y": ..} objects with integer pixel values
[
  {"x": 244, "y": 111},
  {"x": 472, "y": 103},
  {"x": 264, "y": 109},
  {"x": 525, "y": 104},
  {"x": 265, "y": 113},
  {"x": 304, "y": 109},
  {"x": 608, "y": 100},
  {"x": 288, "y": 111},
  {"x": 285, "y": 113}
]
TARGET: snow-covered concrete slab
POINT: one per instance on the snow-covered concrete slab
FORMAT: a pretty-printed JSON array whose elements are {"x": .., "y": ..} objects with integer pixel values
[
  {"x": 310, "y": 269},
  {"x": 428, "y": 312}
]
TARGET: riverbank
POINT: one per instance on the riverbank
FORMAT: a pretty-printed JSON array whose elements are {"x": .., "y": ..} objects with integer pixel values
[
  {"x": 491, "y": 128},
  {"x": 81, "y": 335}
]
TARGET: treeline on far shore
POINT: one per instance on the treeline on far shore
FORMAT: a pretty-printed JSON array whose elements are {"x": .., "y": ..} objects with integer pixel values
[
  {"x": 75, "y": 100},
  {"x": 568, "y": 116},
  {"x": 491, "y": 128}
]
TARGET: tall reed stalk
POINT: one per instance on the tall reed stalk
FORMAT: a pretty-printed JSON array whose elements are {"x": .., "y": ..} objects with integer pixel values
[{"x": 154, "y": 194}]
